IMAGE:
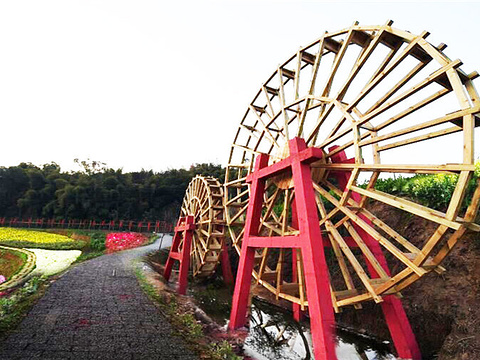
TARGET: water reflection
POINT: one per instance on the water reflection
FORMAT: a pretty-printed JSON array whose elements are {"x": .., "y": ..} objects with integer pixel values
[{"x": 274, "y": 334}]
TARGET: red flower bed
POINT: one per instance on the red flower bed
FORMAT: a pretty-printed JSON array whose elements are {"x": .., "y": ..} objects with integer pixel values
[{"x": 122, "y": 241}]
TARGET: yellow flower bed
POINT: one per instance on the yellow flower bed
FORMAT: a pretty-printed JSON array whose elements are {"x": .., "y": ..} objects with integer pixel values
[{"x": 40, "y": 239}]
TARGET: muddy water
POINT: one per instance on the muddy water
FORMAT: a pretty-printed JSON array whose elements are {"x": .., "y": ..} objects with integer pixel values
[{"x": 275, "y": 335}]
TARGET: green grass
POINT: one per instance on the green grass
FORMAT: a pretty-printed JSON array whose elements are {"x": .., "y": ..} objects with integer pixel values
[
  {"x": 87, "y": 255},
  {"x": 14, "y": 307},
  {"x": 186, "y": 325}
]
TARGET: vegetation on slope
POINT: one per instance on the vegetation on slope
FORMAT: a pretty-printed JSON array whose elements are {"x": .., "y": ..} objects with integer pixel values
[{"x": 434, "y": 191}]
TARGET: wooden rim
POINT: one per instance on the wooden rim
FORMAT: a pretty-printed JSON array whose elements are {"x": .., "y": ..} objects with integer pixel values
[
  {"x": 388, "y": 100},
  {"x": 204, "y": 201}
]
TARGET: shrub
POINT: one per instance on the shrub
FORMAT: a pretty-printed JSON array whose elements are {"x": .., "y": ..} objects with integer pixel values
[
  {"x": 97, "y": 241},
  {"x": 434, "y": 191}
]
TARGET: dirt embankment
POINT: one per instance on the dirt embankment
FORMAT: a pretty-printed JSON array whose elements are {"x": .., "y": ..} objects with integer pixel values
[{"x": 444, "y": 310}]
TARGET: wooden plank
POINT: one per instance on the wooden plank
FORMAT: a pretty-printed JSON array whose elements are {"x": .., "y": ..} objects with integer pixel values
[
  {"x": 315, "y": 64},
  {"x": 431, "y": 135},
  {"x": 263, "y": 263},
  {"x": 322, "y": 116},
  {"x": 279, "y": 271},
  {"x": 411, "y": 109},
  {"x": 424, "y": 125},
  {"x": 267, "y": 92},
  {"x": 361, "y": 38},
  {"x": 472, "y": 209},
  {"x": 347, "y": 277},
  {"x": 449, "y": 245},
  {"x": 266, "y": 129},
  {"x": 428, "y": 264},
  {"x": 458, "y": 195},
  {"x": 332, "y": 45},
  {"x": 353, "y": 261},
  {"x": 389, "y": 231},
  {"x": 296, "y": 81},
  {"x": 387, "y": 70},
  {"x": 413, "y": 90},
  {"x": 365, "y": 250},
  {"x": 281, "y": 95},
  {"x": 351, "y": 181},
  {"x": 237, "y": 197},
  {"x": 397, "y": 86},
  {"x": 301, "y": 278},
  {"x": 354, "y": 300},
  {"x": 336, "y": 63},
  {"x": 238, "y": 214},
  {"x": 457, "y": 85},
  {"x": 408, "y": 206},
  {"x": 400, "y": 168},
  {"x": 308, "y": 58},
  {"x": 289, "y": 74},
  {"x": 371, "y": 231}
]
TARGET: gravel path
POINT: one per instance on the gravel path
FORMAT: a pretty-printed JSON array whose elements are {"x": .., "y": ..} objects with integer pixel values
[{"x": 96, "y": 311}]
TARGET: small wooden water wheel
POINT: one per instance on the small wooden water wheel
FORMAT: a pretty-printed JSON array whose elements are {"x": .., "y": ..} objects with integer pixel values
[
  {"x": 204, "y": 201},
  {"x": 380, "y": 103}
]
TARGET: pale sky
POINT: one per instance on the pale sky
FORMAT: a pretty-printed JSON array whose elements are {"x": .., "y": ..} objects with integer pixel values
[{"x": 164, "y": 84}]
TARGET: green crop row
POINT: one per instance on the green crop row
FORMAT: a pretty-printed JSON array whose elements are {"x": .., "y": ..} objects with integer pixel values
[{"x": 434, "y": 191}]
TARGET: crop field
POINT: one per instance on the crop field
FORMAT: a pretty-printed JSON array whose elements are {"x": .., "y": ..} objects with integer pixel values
[{"x": 37, "y": 239}]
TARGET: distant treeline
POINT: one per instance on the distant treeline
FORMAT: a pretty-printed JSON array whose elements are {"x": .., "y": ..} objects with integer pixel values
[{"x": 96, "y": 192}]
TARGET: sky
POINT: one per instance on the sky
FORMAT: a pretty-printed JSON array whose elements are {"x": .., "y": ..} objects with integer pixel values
[{"x": 164, "y": 84}]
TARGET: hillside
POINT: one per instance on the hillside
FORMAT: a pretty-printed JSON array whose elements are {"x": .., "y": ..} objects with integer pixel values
[{"x": 443, "y": 309}]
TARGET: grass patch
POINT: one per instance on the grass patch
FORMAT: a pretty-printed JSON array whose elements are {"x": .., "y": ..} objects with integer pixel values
[
  {"x": 87, "y": 255},
  {"x": 11, "y": 262},
  {"x": 14, "y": 307},
  {"x": 186, "y": 324}
]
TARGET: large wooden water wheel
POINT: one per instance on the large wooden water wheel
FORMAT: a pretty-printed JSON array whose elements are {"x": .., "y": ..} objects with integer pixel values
[
  {"x": 204, "y": 201},
  {"x": 379, "y": 102}
]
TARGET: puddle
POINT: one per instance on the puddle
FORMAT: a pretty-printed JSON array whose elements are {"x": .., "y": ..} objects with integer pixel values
[{"x": 275, "y": 335}]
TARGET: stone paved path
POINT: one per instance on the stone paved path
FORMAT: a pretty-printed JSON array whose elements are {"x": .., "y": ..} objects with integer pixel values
[{"x": 96, "y": 311}]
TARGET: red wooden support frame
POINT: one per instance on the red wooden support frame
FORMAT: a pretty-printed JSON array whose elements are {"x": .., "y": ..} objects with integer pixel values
[
  {"x": 183, "y": 232},
  {"x": 320, "y": 308},
  {"x": 305, "y": 219},
  {"x": 395, "y": 316},
  {"x": 226, "y": 267}
]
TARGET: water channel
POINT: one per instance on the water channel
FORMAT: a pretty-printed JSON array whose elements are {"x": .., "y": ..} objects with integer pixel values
[{"x": 275, "y": 335}]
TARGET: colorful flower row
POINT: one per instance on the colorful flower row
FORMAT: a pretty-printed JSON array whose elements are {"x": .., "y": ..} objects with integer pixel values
[
  {"x": 122, "y": 241},
  {"x": 30, "y": 236}
]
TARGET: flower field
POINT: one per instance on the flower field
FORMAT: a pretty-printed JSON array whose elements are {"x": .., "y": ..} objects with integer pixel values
[
  {"x": 122, "y": 241},
  {"x": 50, "y": 262},
  {"x": 37, "y": 239}
]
